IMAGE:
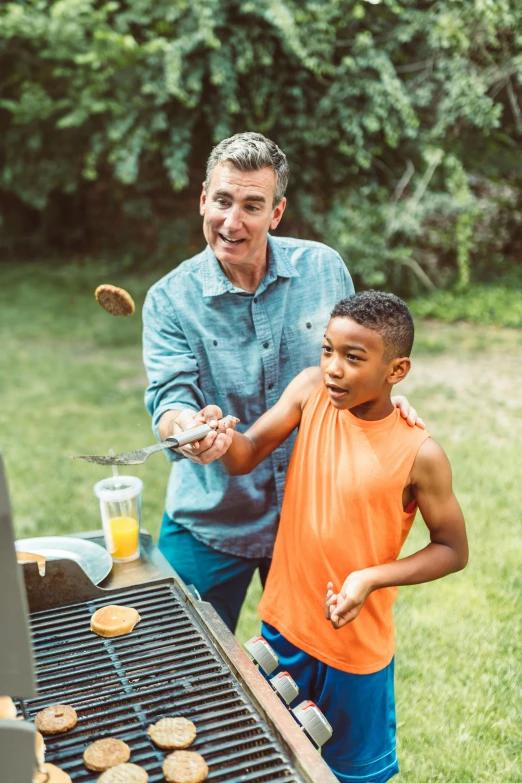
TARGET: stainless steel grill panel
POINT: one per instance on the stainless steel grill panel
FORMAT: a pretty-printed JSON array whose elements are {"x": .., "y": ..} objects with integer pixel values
[{"x": 167, "y": 666}]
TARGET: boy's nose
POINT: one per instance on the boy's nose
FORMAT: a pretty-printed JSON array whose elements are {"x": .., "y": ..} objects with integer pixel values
[{"x": 334, "y": 369}]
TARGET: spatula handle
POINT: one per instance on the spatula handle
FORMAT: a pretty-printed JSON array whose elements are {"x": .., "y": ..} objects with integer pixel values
[{"x": 189, "y": 436}]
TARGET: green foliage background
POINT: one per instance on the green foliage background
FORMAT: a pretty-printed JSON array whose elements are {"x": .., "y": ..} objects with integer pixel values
[{"x": 402, "y": 122}]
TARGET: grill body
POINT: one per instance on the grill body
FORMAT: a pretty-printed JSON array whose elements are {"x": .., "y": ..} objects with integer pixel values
[{"x": 180, "y": 660}]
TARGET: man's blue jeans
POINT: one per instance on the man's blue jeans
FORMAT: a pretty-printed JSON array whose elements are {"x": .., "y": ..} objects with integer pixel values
[{"x": 220, "y": 578}]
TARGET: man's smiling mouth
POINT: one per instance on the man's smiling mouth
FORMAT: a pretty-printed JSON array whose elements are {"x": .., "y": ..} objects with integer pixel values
[{"x": 230, "y": 241}]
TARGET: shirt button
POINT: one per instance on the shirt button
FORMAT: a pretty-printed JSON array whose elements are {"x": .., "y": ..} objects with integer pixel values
[
  {"x": 255, "y": 299},
  {"x": 270, "y": 386},
  {"x": 265, "y": 345},
  {"x": 280, "y": 468},
  {"x": 215, "y": 342},
  {"x": 308, "y": 325}
]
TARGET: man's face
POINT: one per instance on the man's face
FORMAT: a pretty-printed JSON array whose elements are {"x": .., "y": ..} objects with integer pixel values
[
  {"x": 354, "y": 372},
  {"x": 238, "y": 212}
]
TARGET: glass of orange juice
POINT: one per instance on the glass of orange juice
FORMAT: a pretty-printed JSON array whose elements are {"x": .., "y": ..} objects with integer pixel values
[{"x": 120, "y": 506}]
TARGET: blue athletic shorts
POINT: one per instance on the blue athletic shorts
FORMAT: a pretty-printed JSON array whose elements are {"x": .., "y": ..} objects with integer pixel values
[{"x": 360, "y": 708}]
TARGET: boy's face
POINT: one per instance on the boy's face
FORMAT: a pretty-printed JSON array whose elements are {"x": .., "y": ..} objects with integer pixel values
[{"x": 353, "y": 366}]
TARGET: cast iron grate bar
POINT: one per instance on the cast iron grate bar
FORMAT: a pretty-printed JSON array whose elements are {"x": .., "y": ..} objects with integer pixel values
[{"x": 165, "y": 667}]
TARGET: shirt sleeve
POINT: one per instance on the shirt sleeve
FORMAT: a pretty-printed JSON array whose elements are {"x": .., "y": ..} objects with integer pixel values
[
  {"x": 171, "y": 366},
  {"x": 345, "y": 282}
]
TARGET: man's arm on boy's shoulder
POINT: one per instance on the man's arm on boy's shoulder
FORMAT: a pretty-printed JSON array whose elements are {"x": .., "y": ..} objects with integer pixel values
[
  {"x": 273, "y": 428},
  {"x": 447, "y": 552}
]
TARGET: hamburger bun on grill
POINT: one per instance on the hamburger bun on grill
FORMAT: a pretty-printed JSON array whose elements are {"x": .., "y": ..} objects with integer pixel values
[
  {"x": 7, "y": 708},
  {"x": 172, "y": 733},
  {"x": 185, "y": 766},
  {"x": 48, "y": 773},
  {"x": 124, "y": 773},
  {"x": 115, "y": 300},
  {"x": 106, "y": 753},
  {"x": 30, "y": 557},
  {"x": 8, "y": 712},
  {"x": 39, "y": 748},
  {"x": 114, "y": 620}
]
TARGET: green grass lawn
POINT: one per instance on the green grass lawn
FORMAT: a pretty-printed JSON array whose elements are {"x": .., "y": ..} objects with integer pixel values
[{"x": 71, "y": 382}]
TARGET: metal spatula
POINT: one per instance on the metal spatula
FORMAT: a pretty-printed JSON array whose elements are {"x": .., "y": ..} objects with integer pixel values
[{"x": 140, "y": 455}]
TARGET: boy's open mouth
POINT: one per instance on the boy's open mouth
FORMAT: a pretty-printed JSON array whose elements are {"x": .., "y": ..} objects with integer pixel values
[
  {"x": 230, "y": 241},
  {"x": 336, "y": 391}
]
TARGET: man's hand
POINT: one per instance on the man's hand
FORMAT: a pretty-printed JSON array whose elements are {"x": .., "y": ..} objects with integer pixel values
[
  {"x": 408, "y": 412},
  {"x": 344, "y": 607},
  {"x": 213, "y": 445}
]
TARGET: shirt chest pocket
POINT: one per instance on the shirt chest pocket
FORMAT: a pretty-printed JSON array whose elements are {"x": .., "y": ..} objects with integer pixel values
[
  {"x": 225, "y": 369},
  {"x": 304, "y": 339}
]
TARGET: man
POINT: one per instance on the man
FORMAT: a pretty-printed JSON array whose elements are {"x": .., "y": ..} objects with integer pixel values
[{"x": 233, "y": 326}]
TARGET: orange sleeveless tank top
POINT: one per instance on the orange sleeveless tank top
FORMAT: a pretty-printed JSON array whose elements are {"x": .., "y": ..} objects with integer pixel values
[{"x": 342, "y": 512}]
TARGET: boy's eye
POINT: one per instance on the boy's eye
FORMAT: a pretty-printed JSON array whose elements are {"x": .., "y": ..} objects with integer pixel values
[
  {"x": 353, "y": 358},
  {"x": 326, "y": 348}
]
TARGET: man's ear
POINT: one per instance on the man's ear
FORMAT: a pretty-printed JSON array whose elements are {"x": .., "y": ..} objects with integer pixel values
[
  {"x": 399, "y": 369},
  {"x": 203, "y": 199},
  {"x": 278, "y": 213}
]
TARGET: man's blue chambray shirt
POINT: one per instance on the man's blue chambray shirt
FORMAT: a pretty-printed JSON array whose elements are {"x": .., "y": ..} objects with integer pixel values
[{"x": 207, "y": 342}]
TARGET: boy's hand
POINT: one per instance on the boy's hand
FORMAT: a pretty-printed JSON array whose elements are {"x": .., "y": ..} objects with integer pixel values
[
  {"x": 344, "y": 607},
  {"x": 213, "y": 416},
  {"x": 408, "y": 412},
  {"x": 213, "y": 445},
  {"x": 330, "y": 600}
]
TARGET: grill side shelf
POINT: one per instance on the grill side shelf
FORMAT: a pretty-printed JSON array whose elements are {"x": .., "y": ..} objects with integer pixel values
[{"x": 171, "y": 664}]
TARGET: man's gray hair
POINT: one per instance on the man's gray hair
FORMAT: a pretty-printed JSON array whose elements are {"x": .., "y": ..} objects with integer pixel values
[{"x": 251, "y": 152}]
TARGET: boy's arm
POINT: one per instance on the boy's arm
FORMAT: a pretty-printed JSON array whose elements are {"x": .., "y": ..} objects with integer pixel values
[
  {"x": 249, "y": 449},
  {"x": 447, "y": 551}
]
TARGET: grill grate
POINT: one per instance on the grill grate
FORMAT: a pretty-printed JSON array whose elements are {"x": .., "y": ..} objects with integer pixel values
[{"x": 165, "y": 667}]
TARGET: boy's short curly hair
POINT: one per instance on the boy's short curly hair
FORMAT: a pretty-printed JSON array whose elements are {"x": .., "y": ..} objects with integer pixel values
[{"x": 386, "y": 314}]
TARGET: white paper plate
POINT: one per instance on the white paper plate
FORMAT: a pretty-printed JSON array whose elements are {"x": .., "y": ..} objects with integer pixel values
[{"x": 93, "y": 558}]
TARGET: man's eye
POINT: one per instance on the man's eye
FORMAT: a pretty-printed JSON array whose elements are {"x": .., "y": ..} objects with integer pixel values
[
  {"x": 252, "y": 208},
  {"x": 222, "y": 202}
]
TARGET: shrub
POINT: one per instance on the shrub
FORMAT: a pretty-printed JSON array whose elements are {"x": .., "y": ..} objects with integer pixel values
[
  {"x": 397, "y": 119},
  {"x": 487, "y": 305}
]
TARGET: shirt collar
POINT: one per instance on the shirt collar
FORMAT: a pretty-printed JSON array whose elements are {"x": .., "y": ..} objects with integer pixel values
[{"x": 216, "y": 283}]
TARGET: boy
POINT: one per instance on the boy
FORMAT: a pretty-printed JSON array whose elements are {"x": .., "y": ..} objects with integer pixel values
[{"x": 357, "y": 475}]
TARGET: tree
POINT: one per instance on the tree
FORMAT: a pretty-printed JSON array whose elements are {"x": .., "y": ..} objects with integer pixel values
[{"x": 399, "y": 120}]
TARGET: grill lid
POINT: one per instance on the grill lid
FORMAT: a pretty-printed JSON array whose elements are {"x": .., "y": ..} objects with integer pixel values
[
  {"x": 17, "y": 676},
  {"x": 16, "y": 662}
]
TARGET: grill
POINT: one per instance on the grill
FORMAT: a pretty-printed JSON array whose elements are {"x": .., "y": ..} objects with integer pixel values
[{"x": 172, "y": 664}]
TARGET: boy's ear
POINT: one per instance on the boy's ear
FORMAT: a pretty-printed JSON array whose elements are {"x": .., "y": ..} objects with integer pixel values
[{"x": 399, "y": 369}]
